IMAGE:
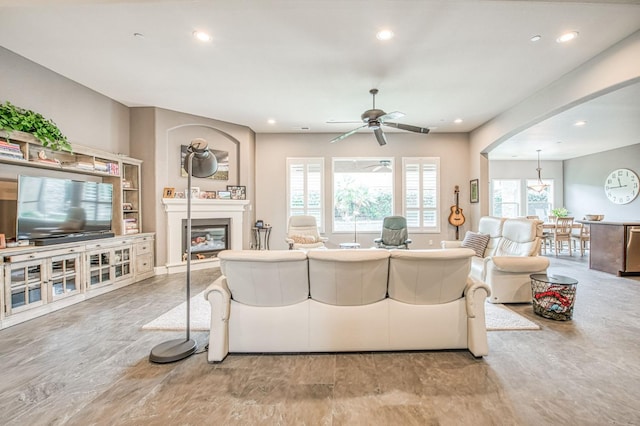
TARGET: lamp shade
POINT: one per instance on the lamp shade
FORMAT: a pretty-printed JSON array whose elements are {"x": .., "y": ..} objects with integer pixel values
[{"x": 203, "y": 163}]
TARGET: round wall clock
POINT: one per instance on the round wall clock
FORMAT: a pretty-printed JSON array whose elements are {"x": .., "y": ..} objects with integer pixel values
[{"x": 622, "y": 186}]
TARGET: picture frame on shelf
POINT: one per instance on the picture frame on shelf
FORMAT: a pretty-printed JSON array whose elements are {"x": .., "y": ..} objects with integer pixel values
[
  {"x": 237, "y": 192},
  {"x": 3, "y": 241},
  {"x": 474, "y": 195},
  {"x": 194, "y": 193},
  {"x": 168, "y": 192},
  {"x": 179, "y": 194},
  {"x": 224, "y": 195},
  {"x": 208, "y": 195}
]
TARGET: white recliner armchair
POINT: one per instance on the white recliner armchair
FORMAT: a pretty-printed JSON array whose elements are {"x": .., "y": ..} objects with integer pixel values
[
  {"x": 303, "y": 233},
  {"x": 510, "y": 256}
]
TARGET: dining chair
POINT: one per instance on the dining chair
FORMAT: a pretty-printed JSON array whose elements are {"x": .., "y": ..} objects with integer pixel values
[
  {"x": 562, "y": 233},
  {"x": 582, "y": 237}
]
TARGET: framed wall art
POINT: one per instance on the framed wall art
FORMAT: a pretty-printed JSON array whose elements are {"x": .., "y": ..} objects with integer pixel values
[
  {"x": 221, "y": 156},
  {"x": 474, "y": 195}
]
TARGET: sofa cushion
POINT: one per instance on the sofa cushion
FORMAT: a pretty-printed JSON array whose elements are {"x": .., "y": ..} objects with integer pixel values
[
  {"x": 493, "y": 226},
  {"x": 266, "y": 278},
  {"x": 519, "y": 238},
  {"x": 476, "y": 241},
  {"x": 428, "y": 277},
  {"x": 348, "y": 277}
]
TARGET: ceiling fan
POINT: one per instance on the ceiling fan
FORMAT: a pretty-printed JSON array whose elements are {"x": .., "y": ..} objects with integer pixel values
[
  {"x": 375, "y": 118},
  {"x": 383, "y": 164}
]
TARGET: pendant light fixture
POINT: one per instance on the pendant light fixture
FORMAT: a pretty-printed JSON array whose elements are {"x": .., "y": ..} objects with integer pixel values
[{"x": 539, "y": 186}]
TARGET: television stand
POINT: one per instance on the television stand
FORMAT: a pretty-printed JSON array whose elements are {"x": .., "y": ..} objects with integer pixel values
[{"x": 71, "y": 238}]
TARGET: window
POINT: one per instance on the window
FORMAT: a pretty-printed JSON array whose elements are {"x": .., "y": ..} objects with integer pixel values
[
  {"x": 362, "y": 193},
  {"x": 305, "y": 189},
  {"x": 505, "y": 199},
  {"x": 421, "y": 185},
  {"x": 539, "y": 203}
]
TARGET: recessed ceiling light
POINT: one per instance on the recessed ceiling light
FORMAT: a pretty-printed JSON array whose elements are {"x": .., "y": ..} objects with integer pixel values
[
  {"x": 384, "y": 35},
  {"x": 567, "y": 37},
  {"x": 580, "y": 123},
  {"x": 202, "y": 36},
  {"x": 458, "y": 120},
  {"x": 536, "y": 37},
  {"x": 271, "y": 121}
]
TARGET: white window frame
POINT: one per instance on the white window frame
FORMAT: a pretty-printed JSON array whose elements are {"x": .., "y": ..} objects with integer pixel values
[
  {"x": 519, "y": 202},
  {"x": 333, "y": 184},
  {"x": 421, "y": 161},
  {"x": 305, "y": 210}
]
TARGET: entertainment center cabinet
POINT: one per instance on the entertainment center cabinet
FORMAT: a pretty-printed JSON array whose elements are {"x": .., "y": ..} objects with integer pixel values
[
  {"x": 36, "y": 280},
  {"x": 39, "y": 280}
]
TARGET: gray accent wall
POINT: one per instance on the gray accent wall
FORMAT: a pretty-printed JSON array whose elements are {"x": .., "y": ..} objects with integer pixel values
[
  {"x": 85, "y": 116},
  {"x": 584, "y": 179}
]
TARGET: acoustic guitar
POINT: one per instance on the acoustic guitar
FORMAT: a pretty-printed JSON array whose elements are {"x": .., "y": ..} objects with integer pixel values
[{"x": 456, "y": 218}]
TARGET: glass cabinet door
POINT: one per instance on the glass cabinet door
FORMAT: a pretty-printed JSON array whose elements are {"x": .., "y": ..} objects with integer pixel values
[
  {"x": 65, "y": 276},
  {"x": 99, "y": 268},
  {"x": 26, "y": 286},
  {"x": 122, "y": 262}
]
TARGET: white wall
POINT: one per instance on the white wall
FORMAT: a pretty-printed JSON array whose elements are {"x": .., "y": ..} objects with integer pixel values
[
  {"x": 527, "y": 170},
  {"x": 616, "y": 67},
  {"x": 272, "y": 151}
]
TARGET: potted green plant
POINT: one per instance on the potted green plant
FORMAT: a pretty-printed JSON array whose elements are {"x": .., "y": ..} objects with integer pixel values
[
  {"x": 13, "y": 118},
  {"x": 560, "y": 212}
]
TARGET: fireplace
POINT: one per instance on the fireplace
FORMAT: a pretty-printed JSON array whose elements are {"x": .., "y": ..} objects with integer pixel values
[
  {"x": 232, "y": 211},
  {"x": 208, "y": 237}
]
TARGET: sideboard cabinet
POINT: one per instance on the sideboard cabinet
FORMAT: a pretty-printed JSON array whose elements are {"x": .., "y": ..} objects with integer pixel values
[{"x": 39, "y": 280}]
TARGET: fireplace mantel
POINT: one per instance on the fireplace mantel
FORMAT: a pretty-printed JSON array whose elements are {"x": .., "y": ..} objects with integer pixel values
[{"x": 176, "y": 211}]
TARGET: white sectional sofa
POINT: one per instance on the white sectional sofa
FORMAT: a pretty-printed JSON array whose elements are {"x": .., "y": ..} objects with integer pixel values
[
  {"x": 346, "y": 300},
  {"x": 509, "y": 258}
]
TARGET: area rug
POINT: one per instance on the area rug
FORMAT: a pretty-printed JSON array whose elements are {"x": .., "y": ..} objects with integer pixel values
[{"x": 498, "y": 317}]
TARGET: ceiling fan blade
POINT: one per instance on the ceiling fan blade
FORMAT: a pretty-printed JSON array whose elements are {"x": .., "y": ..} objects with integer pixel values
[
  {"x": 391, "y": 115},
  {"x": 376, "y": 169},
  {"x": 408, "y": 127},
  {"x": 380, "y": 136},
  {"x": 346, "y": 135}
]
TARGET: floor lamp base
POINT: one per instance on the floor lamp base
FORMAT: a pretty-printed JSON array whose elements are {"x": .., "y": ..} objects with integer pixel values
[{"x": 172, "y": 350}]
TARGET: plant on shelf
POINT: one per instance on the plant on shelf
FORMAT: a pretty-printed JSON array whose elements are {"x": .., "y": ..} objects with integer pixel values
[
  {"x": 23, "y": 120},
  {"x": 560, "y": 212}
]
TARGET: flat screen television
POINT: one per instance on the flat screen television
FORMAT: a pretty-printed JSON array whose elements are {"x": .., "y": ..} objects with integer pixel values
[{"x": 51, "y": 208}]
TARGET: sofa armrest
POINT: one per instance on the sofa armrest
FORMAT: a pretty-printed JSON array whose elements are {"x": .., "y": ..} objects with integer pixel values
[
  {"x": 519, "y": 264},
  {"x": 450, "y": 244},
  {"x": 323, "y": 239},
  {"x": 218, "y": 293},
  {"x": 219, "y": 297},
  {"x": 470, "y": 290},
  {"x": 476, "y": 294}
]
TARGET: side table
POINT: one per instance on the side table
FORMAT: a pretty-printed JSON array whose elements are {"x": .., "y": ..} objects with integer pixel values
[
  {"x": 261, "y": 237},
  {"x": 553, "y": 296},
  {"x": 349, "y": 245}
]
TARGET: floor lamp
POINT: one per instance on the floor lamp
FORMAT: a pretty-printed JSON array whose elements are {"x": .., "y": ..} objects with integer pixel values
[{"x": 198, "y": 162}]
